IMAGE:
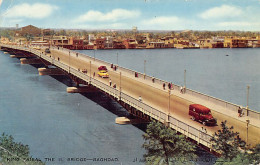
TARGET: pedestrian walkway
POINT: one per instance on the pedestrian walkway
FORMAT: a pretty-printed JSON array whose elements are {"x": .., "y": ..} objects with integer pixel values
[{"x": 212, "y": 106}]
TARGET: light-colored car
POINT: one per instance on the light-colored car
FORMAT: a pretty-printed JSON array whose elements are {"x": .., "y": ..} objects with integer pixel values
[{"x": 103, "y": 74}]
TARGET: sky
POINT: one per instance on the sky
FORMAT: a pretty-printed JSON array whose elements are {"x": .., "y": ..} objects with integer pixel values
[{"x": 124, "y": 14}]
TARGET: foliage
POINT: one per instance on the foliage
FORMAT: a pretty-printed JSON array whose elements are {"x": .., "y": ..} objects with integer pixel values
[
  {"x": 227, "y": 142},
  {"x": 241, "y": 158},
  {"x": 6, "y": 33},
  {"x": 164, "y": 145},
  {"x": 254, "y": 156},
  {"x": 14, "y": 153}
]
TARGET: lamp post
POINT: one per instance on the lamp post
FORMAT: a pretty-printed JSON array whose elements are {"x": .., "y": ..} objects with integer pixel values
[
  {"x": 69, "y": 61},
  {"x": 247, "y": 99},
  {"x": 144, "y": 67},
  {"x": 185, "y": 78},
  {"x": 94, "y": 54},
  {"x": 169, "y": 108},
  {"x": 247, "y": 124},
  {"x": 120, "y": 89},
  {"x": 117, "y": 59},
  {"x": 89, "y": 72}
]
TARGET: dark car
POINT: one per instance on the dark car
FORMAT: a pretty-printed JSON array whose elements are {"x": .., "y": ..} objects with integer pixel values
[
  {"x": 102, "y": 68},
  {"x": 202, "y": 114}
]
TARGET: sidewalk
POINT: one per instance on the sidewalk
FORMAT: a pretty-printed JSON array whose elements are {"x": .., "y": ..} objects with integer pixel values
[
  {"x": 213, "y": 106},
  {"x": 188, "y": 97}
]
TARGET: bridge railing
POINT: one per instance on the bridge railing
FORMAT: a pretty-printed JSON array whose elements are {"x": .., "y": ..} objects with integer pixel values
[
  {"x": 176, "y": 124},
  {"x": 216, "y": 101}
]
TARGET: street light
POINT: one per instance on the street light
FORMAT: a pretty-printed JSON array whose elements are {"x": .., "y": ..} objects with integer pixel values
[
  {"x": 144, "y": 67},
  {"x": 184, "y": 78},
  {"x": 117, "y": 59},
  {"x": 247, "y": 100},
  {"x": 120, "y": 89},
  {"x": 247, "y": 123},
  {"x": 94, "y": 54},
  {"x": 69, "y": 61},
  {"x": 169, "y": 107},
  {"x": 89, "y": 72}
]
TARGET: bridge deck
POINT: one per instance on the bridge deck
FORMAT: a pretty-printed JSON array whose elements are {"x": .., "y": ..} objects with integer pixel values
[{"x": 155, "y": 96}]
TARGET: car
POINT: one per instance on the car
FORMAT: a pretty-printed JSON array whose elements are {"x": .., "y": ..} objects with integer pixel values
[
  {"x": 202, "y": 114},
  {"x": 102, "y": 68},
  {"x": 103, "y": 74}
]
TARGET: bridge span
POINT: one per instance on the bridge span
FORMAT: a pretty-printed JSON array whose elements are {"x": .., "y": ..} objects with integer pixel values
[{"x": 166, "y": 105}]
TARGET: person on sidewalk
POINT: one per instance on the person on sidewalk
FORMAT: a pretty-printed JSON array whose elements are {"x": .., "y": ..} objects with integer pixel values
[
  {"x": 239, "y": 111},
  {"x": 114, "y": 86},
  {"x": 110, "y": 82},
  {"x": 140, "y": 99},
  {"x": 181, "y": 89}
]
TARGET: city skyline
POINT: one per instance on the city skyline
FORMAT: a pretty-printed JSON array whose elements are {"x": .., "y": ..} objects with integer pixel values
[{"x": 144, "y": 14}]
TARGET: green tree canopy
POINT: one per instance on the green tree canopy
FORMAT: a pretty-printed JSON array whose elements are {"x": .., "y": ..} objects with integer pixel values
[
  {"x": 15, "y": 153},
  {"x": 164, "y": 145},
  {"x": 227, "y": 142}
]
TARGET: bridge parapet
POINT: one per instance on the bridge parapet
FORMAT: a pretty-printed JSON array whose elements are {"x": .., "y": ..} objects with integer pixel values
[{"x": 189, "y": 131}]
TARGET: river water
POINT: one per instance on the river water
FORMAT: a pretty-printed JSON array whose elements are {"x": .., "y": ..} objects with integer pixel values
[{"x": 37, "y": 110}]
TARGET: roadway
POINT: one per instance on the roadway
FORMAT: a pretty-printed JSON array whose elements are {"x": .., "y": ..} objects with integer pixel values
[{"x": 156, "y": 96}]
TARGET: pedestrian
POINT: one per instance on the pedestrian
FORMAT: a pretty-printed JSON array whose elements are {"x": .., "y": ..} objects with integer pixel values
[
  {"x": 114, "y": 86},
  {"x": 181, "y": 89},
  {"x": 110, "y": 82},
  {"x": 163, "y": 85},
  {"x": 140, "y": 98},
  {"x": 169, "y": 86},
  {"x": 239, "y": 111},
  {"x": 153, "y": 79}
]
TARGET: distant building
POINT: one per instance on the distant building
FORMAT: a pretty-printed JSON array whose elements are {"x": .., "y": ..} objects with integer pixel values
[
  {"x": 155, "y": 45},
  {"x": 29, "y": 30},
  {"x": 109, "y": 42},
  {"x": 130, "y": 43},
  {"x": 235, "y": 42},
  {"x": 100, "y": 43}
]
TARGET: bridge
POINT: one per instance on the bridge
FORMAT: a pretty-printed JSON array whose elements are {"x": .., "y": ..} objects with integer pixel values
[{"x": 164, "y": 104}]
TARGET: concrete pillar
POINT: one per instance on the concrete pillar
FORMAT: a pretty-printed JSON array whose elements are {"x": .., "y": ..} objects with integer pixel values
[
  {"x": 50, "y": 71},
  {"x": 30, "y": 61},
  {"x": 81, "y": 89},
  {"x": 18, "y": 56}
]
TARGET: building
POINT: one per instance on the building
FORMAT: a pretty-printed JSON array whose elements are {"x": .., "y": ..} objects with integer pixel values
[
  {"x": 118, "y": 45},
  {"x": 109, "y": 42},
  {"x": 100, "y": 43},
  {"x": 231, "y": 42},
  {"x": 29, "y": 31},
  {"x": 130, "y": 43},
  {"x": 155, "y": 45}
]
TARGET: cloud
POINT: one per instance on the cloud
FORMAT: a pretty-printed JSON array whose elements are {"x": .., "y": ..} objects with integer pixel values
[
  {"x": 35, "y": 11},
  {"x": 114, "y": 15},
  {"x": 224, "y": 11}
]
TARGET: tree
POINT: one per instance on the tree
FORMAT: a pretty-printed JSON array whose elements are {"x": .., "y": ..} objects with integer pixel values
[
  {"x": 227, "y": 142},
  {"x": 241, "y": 158},
  {"x": 163, "y": 144},
  {"x": 15, "y": 153},
  {"x": 254, "y": 156}
]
